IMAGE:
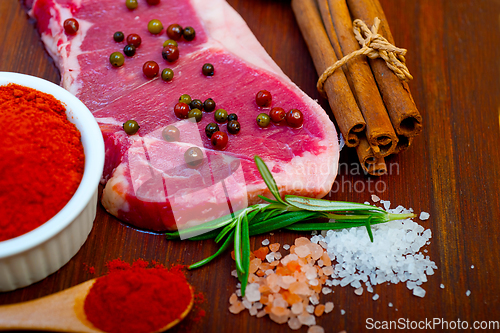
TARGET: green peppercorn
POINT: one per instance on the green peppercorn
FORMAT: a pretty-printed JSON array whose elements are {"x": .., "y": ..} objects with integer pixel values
[
  {"x": 232, "y": 116},
  {"x": 116, "y": 59},
  {"x": 209, "y": 105},
  {"x": 193, "y": 157},
  {"x": 118, "y": 36},
  {"x": 131, "y": 127},
  {"x": 155, "y": 26},
  {"x": 185, "y": 99},
  {"x": 263, "y": 120},
  {"x": 208, "y": 69},
  {"x": 220, "y": 116},
  {"x": 167, "y": 74},
  {"x": 196, "y": 104},
  {"x": 211, "y": 129},
  {"x": 170, "y": 42},
  {"x": 196, "y": 114},
  {"x": 189, "y": 33},
  {"x": 233, "y": 127},
  {"x": 131, "y": 4}
]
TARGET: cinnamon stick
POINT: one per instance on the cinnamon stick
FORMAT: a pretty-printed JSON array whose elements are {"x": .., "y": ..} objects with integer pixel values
[
  {"x": 340, "y": 97},
  {"x": 371, "y": 164},
  {"x": 379, "y": 130},
  {"x": 396, "y": 94}
]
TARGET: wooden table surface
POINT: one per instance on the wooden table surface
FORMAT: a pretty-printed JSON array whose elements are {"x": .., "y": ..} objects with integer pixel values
[{"x": 452, "y": 170}]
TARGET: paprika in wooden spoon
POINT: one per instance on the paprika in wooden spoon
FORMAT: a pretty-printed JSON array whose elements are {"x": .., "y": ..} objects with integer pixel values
[{"x": 133, "y": 296}]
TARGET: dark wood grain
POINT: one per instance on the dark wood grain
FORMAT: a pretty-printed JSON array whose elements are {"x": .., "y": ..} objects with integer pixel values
[{"x": 452, "y": 169}]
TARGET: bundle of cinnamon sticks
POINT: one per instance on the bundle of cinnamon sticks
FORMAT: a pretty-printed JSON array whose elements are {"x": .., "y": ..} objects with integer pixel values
[{"x": 373, "y": 108}]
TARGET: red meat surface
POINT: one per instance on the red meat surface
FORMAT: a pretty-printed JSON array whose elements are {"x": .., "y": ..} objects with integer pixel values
[{"x": 147, "y": 181}]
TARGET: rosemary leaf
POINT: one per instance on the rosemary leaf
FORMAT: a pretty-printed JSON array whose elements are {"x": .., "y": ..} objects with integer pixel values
[
  {"x": 237, "y": 247},
  {"x": 245, "y": 239},
  {"x": 268, "y": 178},
  {"x": 320, "y": 205},
  {"x": 223, "y": 248}
]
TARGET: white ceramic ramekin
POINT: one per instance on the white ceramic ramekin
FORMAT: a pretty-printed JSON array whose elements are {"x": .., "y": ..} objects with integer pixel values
[{"x": 35, "y": 255}]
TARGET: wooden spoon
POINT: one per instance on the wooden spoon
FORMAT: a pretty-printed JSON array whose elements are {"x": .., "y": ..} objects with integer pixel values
[{"x": 62, "y": 312}]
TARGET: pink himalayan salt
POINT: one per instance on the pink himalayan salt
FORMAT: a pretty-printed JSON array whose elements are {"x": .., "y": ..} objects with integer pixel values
[
  {"x": 237, "y": 307},
  {"x": 233, "y": 298},
  {"x": 298, "y": 308},
  {"x": 316, "y": 250},
  {"x": 302, "y": 251},
  {"x": 278, "y": 319},
  {"x": 328, "y": 307},
  {"x": 294, "y": 323},
  {"x": 316, "y": 329},
  {"x": 274, "y": 247},
  {"x": 300, "y": 288},
  {"x": 301, "y": 241},
  {"x": 254, "y": 265}
]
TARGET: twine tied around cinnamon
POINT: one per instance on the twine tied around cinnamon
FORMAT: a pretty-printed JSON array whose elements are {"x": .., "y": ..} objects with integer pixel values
[{"x": 373, "y": 46}]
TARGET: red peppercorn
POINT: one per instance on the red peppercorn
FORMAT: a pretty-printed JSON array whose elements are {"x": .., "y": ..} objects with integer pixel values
[
  {"x": 219, "y": 140},
  {"x": 277, "y": 114},
  {"x": 263, "y": 98},
  {"x": 181, "y": 110},
  {"x": 150, "y": 69},
  {"x": 71, "y": 26},
  {"x": 170, "y": 53},
  {"x": 174, "y": 31},
  {"x": 294, "y": 118},
  {"x": 134, "y": 39}
]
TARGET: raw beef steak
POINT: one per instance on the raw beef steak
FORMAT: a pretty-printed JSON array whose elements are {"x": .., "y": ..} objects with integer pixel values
[{"x": 147, "y": 182}]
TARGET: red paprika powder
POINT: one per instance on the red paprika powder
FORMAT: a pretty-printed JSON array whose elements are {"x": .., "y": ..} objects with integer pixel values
[
  {"x": 41, "y": 159},
  {"x": 137, "y": 299}
]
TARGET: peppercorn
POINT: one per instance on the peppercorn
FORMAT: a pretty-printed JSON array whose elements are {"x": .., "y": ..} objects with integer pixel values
[
  {"x": 116, "y": 59},
  {"x": 232, "y": 116},
  {"x": 263, "y": 98},
  {"x": 129, "y": 50},
  {"x": 220, "y": 116},
  {"x": 174, "y": 31},
  {"x": 189, "y": 33},
  {"x": 171, "y": 133},
  {"x": 150, "y": 69},
  {"x": 211, "y": 129},
  {"x": 209, "y": 105},
  {"x": 118, "y": 36},
  {"x": 71, "y": 26},
  {"x": 131, "y": 4},
  {"x": 196, "y": 104},
  {"x": 277, "y": 114},
  {"x": 294, "y": 118},
  {"x": 233, "y": 127},
  {"x": 134, "y": 39},
  {"x": 196, "y": 114},
  {"x": 185, "y": 98},
  {"x": 167, "y": 74},
  {"x": 193, "y": 157},
  {"x": 263, "y": 120},
  {"x": 170, "y": 53},
  {"x": 181, "y": 110},
  {"x": 131, "y": 127},
  {"x": 208, "y": 69},
  {"x": 155, "y": 27}
]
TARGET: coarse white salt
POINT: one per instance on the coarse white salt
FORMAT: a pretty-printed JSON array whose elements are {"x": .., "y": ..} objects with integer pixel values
[
  {"x": 286, "y": 247},
  {"x": 252, "y": 292},
  {"x": 424, "y": 216},
  {"x": 441, "y": 286},
  {"x": 326, "y": 290},
  {"x": 394, "y": 256},
  {"x": 342, "y": 312},
  {"x": 390, "y": 304},
  {"x": 265, "y": 242},
  {"x": 375, "y": 198},
  {"x": 467, "y": 293},
  {"x": 310, "y": 308},
  {"x": 234, "y": 273},
  {"x": 419, "y": 291},
  {"x": 472, "y": 266},
  {"x": 328, "y": 307},
  {"x": 375, "y": 297},
  {"x": 270, "y": 256},
  {"x": 359, "y": 291}
]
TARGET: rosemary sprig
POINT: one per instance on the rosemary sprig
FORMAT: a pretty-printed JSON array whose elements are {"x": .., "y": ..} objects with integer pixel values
[{"x": 288, "y": 213}]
